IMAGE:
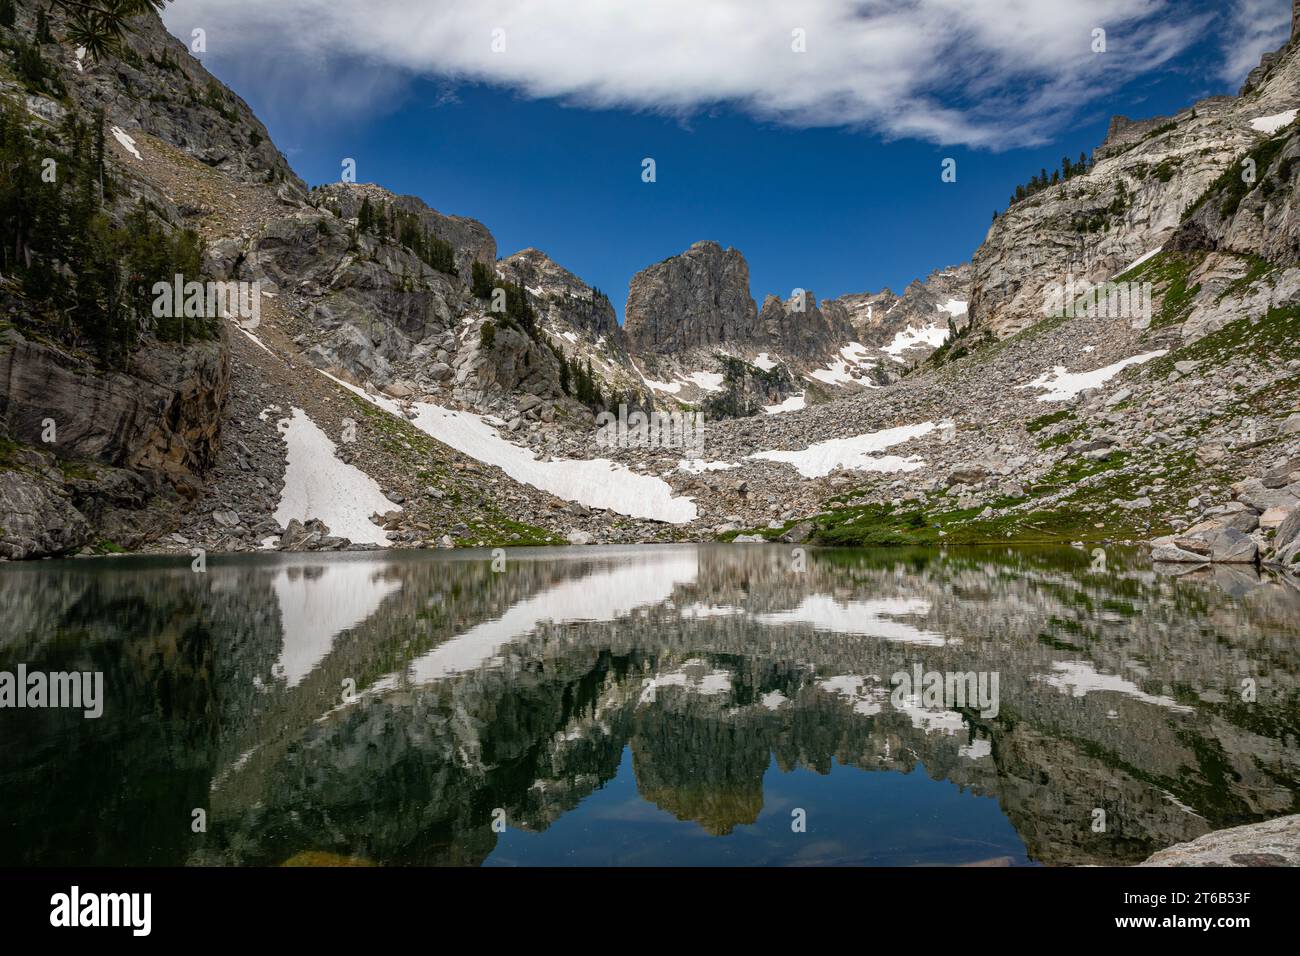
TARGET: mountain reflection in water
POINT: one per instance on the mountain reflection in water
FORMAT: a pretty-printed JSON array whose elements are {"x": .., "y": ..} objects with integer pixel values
[{"x": 667, "y": 705}]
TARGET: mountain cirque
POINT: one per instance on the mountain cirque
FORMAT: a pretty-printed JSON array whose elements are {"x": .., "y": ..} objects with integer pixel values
[{"x": 954, "y": 412}]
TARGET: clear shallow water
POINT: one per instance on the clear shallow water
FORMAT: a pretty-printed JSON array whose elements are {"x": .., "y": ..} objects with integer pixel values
[{"x": 674, "y": 705}]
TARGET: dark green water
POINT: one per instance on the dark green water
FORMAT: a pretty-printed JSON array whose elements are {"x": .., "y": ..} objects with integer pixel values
[{"x": 674, "y": 705}]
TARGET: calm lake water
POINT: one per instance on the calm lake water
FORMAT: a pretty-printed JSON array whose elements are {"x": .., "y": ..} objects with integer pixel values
[{"x": 667, "y": 705}]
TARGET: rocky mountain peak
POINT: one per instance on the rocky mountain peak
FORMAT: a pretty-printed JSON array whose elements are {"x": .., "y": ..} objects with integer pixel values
[
  {"x": 698, "y": 299},
  {"x": 912, "y": 323},
  {"x": 800, "y": 329},
  {"x": 561, "y": 297}
]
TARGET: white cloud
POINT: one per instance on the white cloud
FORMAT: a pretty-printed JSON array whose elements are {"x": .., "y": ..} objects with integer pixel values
[
  {"x": 1255, "y": 27},
  {"x": 976, "y": 72}
]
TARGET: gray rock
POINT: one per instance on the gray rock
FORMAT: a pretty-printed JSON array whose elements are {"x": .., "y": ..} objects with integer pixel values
[
  {"x": 1230, "y": 546},
  {"x": 698, "y": 298},
  {"x": 37, "y": 520},
  {"x": 1137, "y": 504},
  {"x": 1286, "y": 540},
  {"x": 1175, "y": 555},
  {"x": 1271, "y": 843},
  {"x": 1253, "y": 493},
  {"x": 967, "y": 474}
]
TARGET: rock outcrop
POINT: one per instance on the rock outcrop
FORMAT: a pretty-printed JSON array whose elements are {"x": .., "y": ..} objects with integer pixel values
[
  {"x": 800, "y": 329},
  {"x": 1144, "y": 181},
  {"x": 906, "y": 329},
  {"x": 470, "y": 239},
  {"x": 1271, "y": 843},
  {"x": 699, "y": 299},
  {"x": 161, "y": 415}
]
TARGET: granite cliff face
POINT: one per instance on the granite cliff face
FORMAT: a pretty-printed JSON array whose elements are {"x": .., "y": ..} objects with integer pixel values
[
  {"x": 89, "y": 446},
  {"x": 1145, "y": 180},
  {"x": 801, "y": 329},
  {"x": 690, "y": 321},
  {"x": 697, "y": 300}
]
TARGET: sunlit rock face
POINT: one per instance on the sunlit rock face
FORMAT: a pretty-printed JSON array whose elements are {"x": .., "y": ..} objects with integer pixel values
[{"x": 1149, "y": 175}]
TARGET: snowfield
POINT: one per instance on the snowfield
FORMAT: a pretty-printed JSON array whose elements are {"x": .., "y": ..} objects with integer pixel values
[
  {"x": 1271, "y": 124},
  {"x": 819, "y": 460},
  {"x": 672, "y": 388},
  {"x": 709, "y": 381},
  {"x": 127, "y": 142},
  {"x": 954, "y": 307},
  {"x": 1062, "y": 386},
  {"x": 845, "y": 369},
  {"x": 912, "y": 337},
  {"x": 318, "y": 485},
  {"x": 792, "y": 404},
  {"x": 596, "y": 483}
]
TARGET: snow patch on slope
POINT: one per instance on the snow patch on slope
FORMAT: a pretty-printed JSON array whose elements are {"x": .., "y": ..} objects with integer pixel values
[
  {"x": 820, "y": 459},
  {"x": 792, "y": 404},
  {"x": 127, "y": 142},
  {"x": 1061, "y": 385},
  {"x": 318, "y": 485},
  {"x": 596, "y": 483},
  {"x": 709, "y": 381},
  {"x": 854, "y": 359},
  {"x": 1271, "y": 124},
  {"x": 913, "y": 337},
  {"x": 1138, "y": 261}
]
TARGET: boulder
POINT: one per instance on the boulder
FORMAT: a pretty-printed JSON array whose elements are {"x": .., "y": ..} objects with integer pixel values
[
  {"x": 967, "y": 474},
  {"x": 1286, "y": 541},
  {"x": 1229, "y": 546},
  {"x": 1274, "y": 517},
  {"x": 36, "y": 520},
  {"x": 1252, "y": 492},
  {"x": 1175, "y": 555},
  {"x": 1271, "y": 843}
]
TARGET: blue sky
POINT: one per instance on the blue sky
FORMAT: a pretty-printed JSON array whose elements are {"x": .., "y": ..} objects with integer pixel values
[{"x": 823, "y": 178}]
